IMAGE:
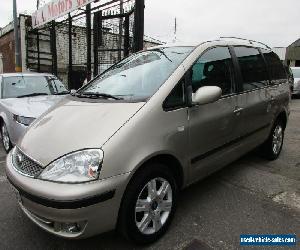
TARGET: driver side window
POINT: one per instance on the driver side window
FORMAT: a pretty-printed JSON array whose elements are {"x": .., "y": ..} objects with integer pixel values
[{"x": 214, "y": 68}]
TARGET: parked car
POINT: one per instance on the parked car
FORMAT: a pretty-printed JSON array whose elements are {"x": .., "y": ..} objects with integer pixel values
[
  {"x": 122, "y": 147},
  {"x": 296, "y": 87},
  {"x": 23, "y": 98},
  {"x": 290, "y": 77}
]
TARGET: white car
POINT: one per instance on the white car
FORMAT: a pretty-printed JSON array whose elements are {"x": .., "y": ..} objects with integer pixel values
[
  {"x": 23, "y": 98},
  {"x": 296, "y": 87}
]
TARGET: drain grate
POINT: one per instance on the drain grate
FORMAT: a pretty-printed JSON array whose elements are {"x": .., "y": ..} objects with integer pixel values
[{"x": 197, "y": 245}]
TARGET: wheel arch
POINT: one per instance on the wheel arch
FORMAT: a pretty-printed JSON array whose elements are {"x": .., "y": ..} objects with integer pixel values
[
  {"x": 3, "y": 118},
  {"x": 1, "y": 121},
  {"x": 167, "y": 159},
  {"x": 283, "y": 117}
]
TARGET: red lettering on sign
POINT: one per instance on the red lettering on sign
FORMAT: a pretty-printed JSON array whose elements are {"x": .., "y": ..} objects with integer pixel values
[
  {"x": 50, "y": 10},
  {"x": 81, "y": 2},
  {"x": 68, "y": 4},
  {"x": 61, "y": 7},
  {"x": 56, "y": 10}
]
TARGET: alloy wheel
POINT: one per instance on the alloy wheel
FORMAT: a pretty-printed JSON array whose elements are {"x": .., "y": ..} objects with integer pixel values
[
  {"x": 277, "y": 139},
  {"x": 153, "y": 206}
]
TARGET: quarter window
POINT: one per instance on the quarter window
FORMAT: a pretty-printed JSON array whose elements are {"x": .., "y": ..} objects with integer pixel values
[
  {"x": 253, "y": 68},
  {"x": 214, "y": 68},
  {"x": 176, "y": 99},
  {"x": 276, "y": 68}
]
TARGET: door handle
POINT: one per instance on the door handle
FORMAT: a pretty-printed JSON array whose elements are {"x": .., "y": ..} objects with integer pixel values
[{"x": 238, "y": 110}]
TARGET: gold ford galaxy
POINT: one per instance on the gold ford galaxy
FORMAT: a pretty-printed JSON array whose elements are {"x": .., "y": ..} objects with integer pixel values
[{"x": 115, "y": 153}]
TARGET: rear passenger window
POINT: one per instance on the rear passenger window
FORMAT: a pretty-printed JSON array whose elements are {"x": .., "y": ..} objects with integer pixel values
[
  {"x": 253, "y": 68},
  {"x": 214, "y": 68},
  {"x": 275, "y": 66}
]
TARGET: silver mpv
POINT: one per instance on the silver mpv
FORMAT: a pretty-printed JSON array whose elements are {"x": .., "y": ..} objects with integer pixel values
[{"x": 116, "y": 153}]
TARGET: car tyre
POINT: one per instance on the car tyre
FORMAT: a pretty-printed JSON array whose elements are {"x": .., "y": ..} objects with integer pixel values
[
  {"x": 7, "y": 145},
  {"x": 148, "y": 205},
  {"x": 272, "y": 147}
]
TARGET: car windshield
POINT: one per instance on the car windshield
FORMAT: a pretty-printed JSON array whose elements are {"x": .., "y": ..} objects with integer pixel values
[
  {"x": 22, "y": 86},
  {"x": 139, "y": 76},
  {"x": 296, "y": 72}
]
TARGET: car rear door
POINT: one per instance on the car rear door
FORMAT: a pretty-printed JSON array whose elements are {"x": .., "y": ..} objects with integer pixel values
[
  {"x": 253, "y": 102},
  {"x": 278, "y": 89}
]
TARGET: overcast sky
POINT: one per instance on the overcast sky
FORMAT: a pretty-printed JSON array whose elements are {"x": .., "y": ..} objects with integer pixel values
[{"x": 275, "y": 22}]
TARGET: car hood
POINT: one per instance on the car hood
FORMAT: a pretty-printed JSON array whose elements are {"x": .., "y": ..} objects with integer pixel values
[
  {"x": 74, "y": 125},
  {"x": 31, "y": 106}
]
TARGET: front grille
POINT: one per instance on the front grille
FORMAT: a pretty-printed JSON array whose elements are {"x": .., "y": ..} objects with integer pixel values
[{"x": 25, "y": 165}]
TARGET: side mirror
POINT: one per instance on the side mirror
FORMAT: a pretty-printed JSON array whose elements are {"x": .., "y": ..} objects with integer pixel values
[
  {"x": 73, "y": 91},
  {"x": 207, "y": 94}
]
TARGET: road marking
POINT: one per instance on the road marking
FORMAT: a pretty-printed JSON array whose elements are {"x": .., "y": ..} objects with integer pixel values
[
  {"x": 197, "y": 244},
  {"x": 278, "y": 188},
  {"x": 3, "y": 178},
  {"x": 291, "y": 199}
]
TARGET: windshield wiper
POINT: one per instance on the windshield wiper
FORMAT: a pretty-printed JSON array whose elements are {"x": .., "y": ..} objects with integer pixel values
[
  {"x": 30, "y": 95},
  {"x": 98, "y": 95}
]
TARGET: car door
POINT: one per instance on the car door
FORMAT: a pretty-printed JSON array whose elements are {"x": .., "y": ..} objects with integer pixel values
[
  {"x": 212, "y": 127},
  {"x": 279, "y": 86},
  {"x": 254, "y": 99}
]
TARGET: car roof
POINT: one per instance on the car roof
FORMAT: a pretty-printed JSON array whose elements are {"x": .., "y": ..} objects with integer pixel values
[
  {"x": 25, "y": 74},
  {"x": 224, "y": 42}
]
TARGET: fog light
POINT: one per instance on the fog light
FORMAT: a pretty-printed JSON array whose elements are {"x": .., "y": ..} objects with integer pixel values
[{"x": 71, "y": 228}]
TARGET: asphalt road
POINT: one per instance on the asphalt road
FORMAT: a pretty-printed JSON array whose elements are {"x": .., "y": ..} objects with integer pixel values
[{"x": 251, "y": 196}]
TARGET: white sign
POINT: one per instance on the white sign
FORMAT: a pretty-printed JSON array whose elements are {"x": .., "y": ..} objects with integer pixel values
[{"x": 56, "y": 9}]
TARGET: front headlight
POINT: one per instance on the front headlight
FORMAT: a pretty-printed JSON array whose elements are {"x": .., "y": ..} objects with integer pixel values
[
  {"x": 23, "y": 120},
  {"x": 77, "y": 167}
]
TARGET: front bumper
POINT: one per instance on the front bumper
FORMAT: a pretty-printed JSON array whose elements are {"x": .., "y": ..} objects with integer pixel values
[{"x": 53, "y": 206}]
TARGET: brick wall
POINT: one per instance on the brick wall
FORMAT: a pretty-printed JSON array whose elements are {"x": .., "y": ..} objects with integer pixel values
[{"x": 7, "y": 49}]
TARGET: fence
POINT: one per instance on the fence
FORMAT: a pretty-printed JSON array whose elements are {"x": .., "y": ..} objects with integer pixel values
[{"x": 87, "y": 41}]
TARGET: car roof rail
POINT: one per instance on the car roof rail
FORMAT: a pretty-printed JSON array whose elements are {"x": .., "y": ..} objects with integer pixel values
[{"x": 244, "y": 39}]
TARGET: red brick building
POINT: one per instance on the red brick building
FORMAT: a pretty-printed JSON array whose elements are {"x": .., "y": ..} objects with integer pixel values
[
  {"x": 7, "y": 46},
  {"x": 7, "y": 50}
]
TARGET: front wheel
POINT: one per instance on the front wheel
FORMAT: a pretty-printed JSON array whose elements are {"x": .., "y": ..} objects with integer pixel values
[
  {"x": 273, "y": 146},
  {"x": 5, "y": 138},
  {"x": 148, "y": 204}
]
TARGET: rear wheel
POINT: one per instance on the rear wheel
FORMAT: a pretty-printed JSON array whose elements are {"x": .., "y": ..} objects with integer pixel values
[
  {"x": 5, "y": 138},
  {"x": 273, "y": 146},
  {"x": 148, "y": 204}
]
